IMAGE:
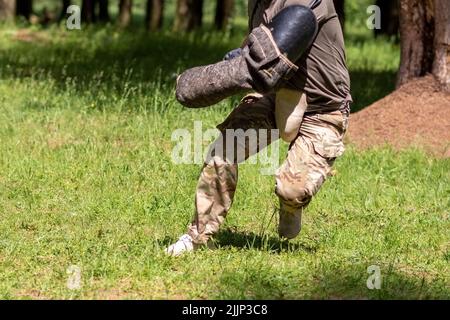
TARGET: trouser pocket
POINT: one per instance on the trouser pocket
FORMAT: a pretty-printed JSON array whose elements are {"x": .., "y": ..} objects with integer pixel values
[{"x": 326, "y": 132}]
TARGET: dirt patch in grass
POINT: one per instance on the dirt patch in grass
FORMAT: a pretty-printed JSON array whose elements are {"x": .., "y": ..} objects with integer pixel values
[
  {"x": 417, "y": 114},
  {"x": 25, "y": 35},
  {"x": 31, "y": 294}
]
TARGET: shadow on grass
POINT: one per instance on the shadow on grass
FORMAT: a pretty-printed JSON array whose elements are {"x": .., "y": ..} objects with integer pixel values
[
  {"x": 328, "y": 280},
  {"x": 251, "y": 241},
  {"x": 117, "y": 59},
  {"x": 321, "y": 278},
  {"x": 370, "y": 86},
  {"x": 109, "y": 53}
]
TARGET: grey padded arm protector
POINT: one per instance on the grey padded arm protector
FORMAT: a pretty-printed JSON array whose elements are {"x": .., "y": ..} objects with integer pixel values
[
  {"x": 207, "y": 85},
  {"x": 261, "y": 67}
]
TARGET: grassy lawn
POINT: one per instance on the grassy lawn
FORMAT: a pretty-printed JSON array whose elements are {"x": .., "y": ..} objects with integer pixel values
[{"x": 86, "y": 180}]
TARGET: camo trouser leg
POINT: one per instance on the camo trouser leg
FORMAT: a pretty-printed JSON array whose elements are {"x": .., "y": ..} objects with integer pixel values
[
  {"x": 310, "y": 159},
  {"x": 219, "y": 176}
]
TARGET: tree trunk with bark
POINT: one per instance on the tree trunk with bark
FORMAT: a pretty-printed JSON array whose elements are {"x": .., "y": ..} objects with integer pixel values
[
  {"x": 224, "y": 12},
  {"x": 189, "y": 15},
  {"x": 125, "y": 12},
  {"x": 425, "y": 40},
  {"x": 441, "y": 67},
  {"x": 7, "y": 9},
  {"x": 154, "y": 15},
  {"x": 417, "y": 39}
]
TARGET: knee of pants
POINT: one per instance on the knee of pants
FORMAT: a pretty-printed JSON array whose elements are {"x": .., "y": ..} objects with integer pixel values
[
  {"x": 217, "y": 168},
  {"x": 297, "y": 195},
  {"x": 216, "y": 161}
]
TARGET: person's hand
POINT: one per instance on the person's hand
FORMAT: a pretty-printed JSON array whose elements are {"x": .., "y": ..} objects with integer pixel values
[{"x": 233, "y": 54}]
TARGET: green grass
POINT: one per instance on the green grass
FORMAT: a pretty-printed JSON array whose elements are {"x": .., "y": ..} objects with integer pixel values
[{"x": 86, "y": 179}]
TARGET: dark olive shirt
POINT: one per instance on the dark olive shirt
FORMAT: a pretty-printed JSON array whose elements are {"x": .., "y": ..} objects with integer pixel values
[{"x": 323, "y": 73}]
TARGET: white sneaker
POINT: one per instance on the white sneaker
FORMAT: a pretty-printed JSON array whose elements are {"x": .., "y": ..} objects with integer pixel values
[{"x": 183, "y": 245}]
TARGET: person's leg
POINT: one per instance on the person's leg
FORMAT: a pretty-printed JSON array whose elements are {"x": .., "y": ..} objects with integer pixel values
[
  {"x": 308, "y": 164},
  {"x": 240, "y": 138},
  {"x": 218, "y": 179}
]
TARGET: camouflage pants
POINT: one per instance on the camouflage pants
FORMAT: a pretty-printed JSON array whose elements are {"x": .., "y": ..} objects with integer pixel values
[{"x": 310, "y": 158}]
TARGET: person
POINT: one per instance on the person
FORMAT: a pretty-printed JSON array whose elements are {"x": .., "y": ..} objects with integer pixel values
[{"x": 292, "y": 64}]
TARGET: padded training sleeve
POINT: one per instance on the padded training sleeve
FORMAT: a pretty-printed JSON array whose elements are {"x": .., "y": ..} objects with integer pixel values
[
  {"x": 266, "y": 61},
  {"x": 293, "y": 30}
]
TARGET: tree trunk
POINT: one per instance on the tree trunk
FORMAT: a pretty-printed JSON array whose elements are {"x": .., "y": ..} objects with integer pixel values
[
  {"x": 224, "y": 11},
  {"x": 24, "y": 8},
  {"x": 7, "y": 9},
  {"x": 103, "y": 12},
  {"x": 417, "y": 39},
  {"x": 88, "y": 11},
  {"x": 389, "y": 18},
  {"x": 154, "y": 14},
  {"x": 441, "y": 67},
  {"x": 65, "y": 4},
  {"x": 189, "y": 15},
  {"x": 197, "y": 13},
  {"x": 125, "y": 13},
  {"x": 339, "y": 5}
]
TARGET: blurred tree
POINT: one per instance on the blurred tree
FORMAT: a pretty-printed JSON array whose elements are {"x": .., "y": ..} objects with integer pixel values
[
  {"x": 154, "y": 14},
  {"x": 87, "y": 11},
  {"x": 425, "y": 40},
  {"x": 103, "y": 12},
  {"x": 125, "y": 12},
  {"x": 224, "y": 11},
  {"x": 340, "y": 10},
  {"x": 7, "y": 9},
  {"x": 65, "y": 4},
  {"x": 189, "y": 15},
  {"x": 389, "y": 18},
  {"x": 24, "y": 8}
]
